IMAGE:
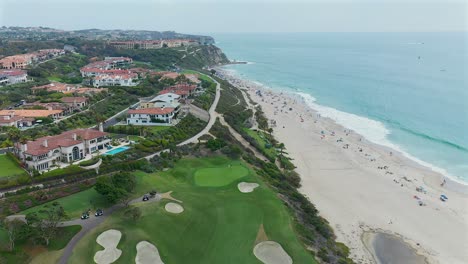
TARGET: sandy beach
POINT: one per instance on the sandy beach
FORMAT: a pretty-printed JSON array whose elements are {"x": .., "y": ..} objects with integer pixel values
[{"x": 359, "y": 186}]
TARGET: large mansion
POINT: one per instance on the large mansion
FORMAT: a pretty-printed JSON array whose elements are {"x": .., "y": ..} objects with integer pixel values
[{"x": 70, "y": 146}]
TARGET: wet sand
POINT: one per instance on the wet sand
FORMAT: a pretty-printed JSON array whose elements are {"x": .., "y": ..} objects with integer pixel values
[{"x": 390, "y": 249}]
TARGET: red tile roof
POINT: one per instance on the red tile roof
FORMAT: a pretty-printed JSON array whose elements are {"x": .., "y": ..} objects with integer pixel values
[
  {"x": 65, "y": 139},
  {"x": 30, "y": 112}
]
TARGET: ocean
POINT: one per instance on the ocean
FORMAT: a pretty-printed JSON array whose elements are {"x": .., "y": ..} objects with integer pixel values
[{"x": 407, "y": 91}]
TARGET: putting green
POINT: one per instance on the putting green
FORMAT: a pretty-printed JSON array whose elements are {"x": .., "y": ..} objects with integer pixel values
[{"x": 221, "y": 176}]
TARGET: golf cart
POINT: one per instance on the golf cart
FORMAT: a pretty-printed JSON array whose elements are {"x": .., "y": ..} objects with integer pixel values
[
  {"x": 85, "y": 215},
  {"x": 145, "y": 198},
  {"x": 99, "y": 212}
]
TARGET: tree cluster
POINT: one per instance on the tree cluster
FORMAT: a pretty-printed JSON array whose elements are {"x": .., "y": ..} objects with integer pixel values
[{"x": 116, "y": 188}]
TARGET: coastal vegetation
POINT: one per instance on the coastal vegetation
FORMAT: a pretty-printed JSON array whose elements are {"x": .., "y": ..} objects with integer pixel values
[
  {"x": 27, "y": 249},
  {"x": 62, "y": 69}
]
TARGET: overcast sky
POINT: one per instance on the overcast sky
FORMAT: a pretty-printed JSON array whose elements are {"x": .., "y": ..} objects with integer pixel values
[{"x": 205, "y": 16}]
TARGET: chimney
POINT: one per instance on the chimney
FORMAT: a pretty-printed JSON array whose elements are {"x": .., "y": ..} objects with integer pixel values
[
  {"x": 101, "y": 127},
  {"x": 45, "y": 143},
  {"x": 74, "y": 136},
  {"x": 24, "y": 147}
]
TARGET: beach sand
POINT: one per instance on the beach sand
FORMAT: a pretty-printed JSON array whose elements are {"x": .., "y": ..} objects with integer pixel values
[{"x": 359, "y": 186}]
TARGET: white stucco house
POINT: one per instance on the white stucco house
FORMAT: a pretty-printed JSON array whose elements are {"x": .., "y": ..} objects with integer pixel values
[{"x": 151, "y": 116}]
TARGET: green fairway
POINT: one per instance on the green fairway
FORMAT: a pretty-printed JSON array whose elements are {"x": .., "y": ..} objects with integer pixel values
[
  {"x": 218, "y": 225},
  {"x": 77, "y": 203},
  {"x": 9, "y": 168},
  {"x": 221, "y": 176}
]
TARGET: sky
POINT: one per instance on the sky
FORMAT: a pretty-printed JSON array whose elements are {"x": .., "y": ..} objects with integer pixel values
[{"x": 216, "y": 16}]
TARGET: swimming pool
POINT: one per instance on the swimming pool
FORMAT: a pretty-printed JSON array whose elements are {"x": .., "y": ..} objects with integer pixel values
[{"x": 116, "y": 150}]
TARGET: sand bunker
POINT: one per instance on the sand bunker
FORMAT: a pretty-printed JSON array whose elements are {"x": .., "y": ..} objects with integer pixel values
[
  {"x": 147, "y": 253},
  {"x": 270, "y": 252},
  {"x": 174, "y": 208},
  {"x": 109, "y": 241},
  {"x": 247, "y": 187}
]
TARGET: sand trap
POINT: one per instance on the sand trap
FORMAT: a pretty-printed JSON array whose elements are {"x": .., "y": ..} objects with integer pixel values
[
  {"x": 246, "y": 187},
  {"x": 109, "y": 241},
  {"x": 270, "y": 252},
  {"x": 147, "y": 253},
  {"x": 174, "y": 208}
]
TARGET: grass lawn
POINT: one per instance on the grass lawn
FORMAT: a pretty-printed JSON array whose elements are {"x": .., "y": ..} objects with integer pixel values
[
  {"x": 260, "y": 138},
  {"x": 220, "y": 176},
  {"x": 77, "y": 203},
  {"x": 8, "y": 167},
  {"x": 156, "y": 129},
  {"x": 55, "y": 78},
  {"x": 219, "y": 225},
  {"x": 200, "y": 76}
]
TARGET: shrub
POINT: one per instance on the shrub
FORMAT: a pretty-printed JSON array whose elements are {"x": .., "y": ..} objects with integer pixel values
[{"x": 89, "y": 162}]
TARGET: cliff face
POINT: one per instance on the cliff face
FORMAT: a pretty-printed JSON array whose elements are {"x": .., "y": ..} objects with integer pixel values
[
  {"x": 214, "y": 55},
  {"x": 205, "y": 55}
]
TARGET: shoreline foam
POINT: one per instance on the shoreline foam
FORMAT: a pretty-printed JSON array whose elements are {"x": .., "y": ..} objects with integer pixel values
[
  {"x": 351, "y": 121},
  {"x": 355, "y": 196}
]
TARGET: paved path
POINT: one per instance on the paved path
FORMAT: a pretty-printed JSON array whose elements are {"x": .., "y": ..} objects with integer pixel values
[
  {"x": 212, "y": 113},
  {"x": 241, "y": 139},
  {"x": 89, "y": 224}
]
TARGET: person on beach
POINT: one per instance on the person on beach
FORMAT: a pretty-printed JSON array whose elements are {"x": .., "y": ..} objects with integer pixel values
[{"x": 443, "y": 182}]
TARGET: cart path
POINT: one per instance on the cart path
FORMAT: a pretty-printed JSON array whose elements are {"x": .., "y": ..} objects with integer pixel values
[
  {"x": 92, "y": 222},
  {"x": 211, "y": 112}
]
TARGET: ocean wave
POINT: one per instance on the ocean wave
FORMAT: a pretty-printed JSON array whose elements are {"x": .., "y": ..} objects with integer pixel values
[
  {"x": 428, "y": 137},
  {"x": 374, "y": 131}
]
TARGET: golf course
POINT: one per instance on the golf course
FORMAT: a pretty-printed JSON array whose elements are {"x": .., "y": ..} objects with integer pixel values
[{"x": 218, "y": 224}]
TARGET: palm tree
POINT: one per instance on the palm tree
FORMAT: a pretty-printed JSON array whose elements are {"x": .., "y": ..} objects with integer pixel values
[
  {"x": 281, "y": 147},
  {"x": 14, "y": 134},
  {"x": 98, "y": 117},
  {"x": 172, "y": 147},
  {"x": 270, "y": 130}
]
